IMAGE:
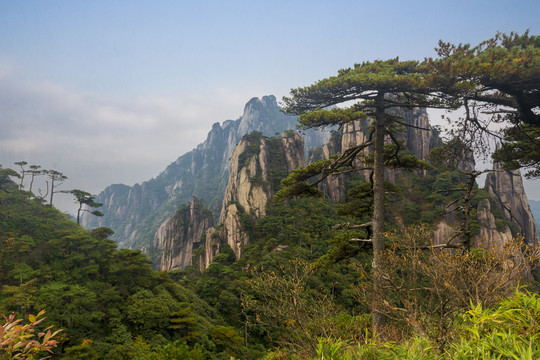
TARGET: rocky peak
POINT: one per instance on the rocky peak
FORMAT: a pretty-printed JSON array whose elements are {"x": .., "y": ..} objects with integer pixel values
[
  {"x": 257, "y": 166},
  {"x": 254, "y": 110},
  {"x": 506, "y": 187},
  {"x": 179, "y": 235},
  {"x": 202, "y": 172}
]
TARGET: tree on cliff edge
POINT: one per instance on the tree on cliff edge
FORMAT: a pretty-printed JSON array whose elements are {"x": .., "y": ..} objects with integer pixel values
[
  {"x": 499, "y": 77},
  {"x": 85, "y": 198},
  {"x": 378, "y": 90}
]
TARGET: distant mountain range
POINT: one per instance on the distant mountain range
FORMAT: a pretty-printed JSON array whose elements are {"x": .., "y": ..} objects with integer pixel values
[{"x": 135, "y": 213}]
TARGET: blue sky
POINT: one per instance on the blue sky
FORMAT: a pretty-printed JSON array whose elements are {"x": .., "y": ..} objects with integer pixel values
[{"x": 113, "y": 91}]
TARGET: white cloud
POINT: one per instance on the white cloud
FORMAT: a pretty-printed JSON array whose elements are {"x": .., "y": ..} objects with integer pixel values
[{"x": 97, "y": 141}]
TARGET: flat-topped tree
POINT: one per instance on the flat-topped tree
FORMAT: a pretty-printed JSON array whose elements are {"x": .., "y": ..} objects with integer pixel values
[
  {"x": 85, "y": 198},
  {"x": 22, "y": 164},
  {"x": 378, "y": 91},
  {"x": 34, "y": 171},
  {"x": 57, "y": 179}
]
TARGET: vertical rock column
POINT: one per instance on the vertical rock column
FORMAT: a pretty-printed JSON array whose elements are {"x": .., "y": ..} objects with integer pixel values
[
  {"x": 250, "y": 185},
  {"x": 507, "y": 189}
]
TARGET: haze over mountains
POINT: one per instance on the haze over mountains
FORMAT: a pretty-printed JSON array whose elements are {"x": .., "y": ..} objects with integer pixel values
[{"x": 136, "y": 212}]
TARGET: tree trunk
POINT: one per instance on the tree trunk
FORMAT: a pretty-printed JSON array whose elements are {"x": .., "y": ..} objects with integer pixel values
[
  {"x": 52, "y": 191},
  {"x": 378, "y": 206},
  {"x": 79, "y": 213}
]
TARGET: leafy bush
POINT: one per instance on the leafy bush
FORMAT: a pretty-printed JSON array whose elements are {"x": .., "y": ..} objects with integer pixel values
[
  {"x": 508, "y": 330},
  {"x": 18, "y": 341}
]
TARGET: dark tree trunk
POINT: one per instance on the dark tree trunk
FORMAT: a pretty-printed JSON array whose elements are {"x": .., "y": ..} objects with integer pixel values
[{"x": 378, "y": 205}]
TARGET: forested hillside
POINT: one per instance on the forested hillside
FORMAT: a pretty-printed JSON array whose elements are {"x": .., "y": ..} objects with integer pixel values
[
  {"x": 112, "y": 305},
  {"x": 109, "y": 303}
]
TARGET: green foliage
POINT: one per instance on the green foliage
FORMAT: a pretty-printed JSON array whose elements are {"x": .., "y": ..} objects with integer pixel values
[
  {"x": 104, "y": 298},
  {"x": 81, "y": 352},
  {"x": 295, "y": 184},
  {"x": 295, "y": 311},
  {"x": 5, "y": 179},
  {"x": 226, "y": 337},
  {"x": 185, "y": 325},
  {"x": 510, "y": 330}
]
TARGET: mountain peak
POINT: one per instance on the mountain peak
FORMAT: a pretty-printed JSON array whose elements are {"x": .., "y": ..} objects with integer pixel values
[{"x": 267, "y": 102}]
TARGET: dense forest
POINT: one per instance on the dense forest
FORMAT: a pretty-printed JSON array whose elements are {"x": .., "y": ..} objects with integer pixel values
[
  {"x": 318, "y": 279},
  {"x": 292, "y": 288}
]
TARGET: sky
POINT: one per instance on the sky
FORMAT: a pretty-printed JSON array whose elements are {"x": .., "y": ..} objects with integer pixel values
[{"x": 114, "y": 91}]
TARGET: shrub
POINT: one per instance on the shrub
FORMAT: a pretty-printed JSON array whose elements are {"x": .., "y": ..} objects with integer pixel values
[{"x": 18, "y": 341}]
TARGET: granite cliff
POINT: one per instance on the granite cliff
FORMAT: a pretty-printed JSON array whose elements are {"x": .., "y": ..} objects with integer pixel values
[
  {"x": 506, "y": 187},
  {"x": 419, "y": 139},
  {"x": 136, "y": 212},
  {"x": 182, "y": 233},
  {"x": 257, "y": 166}
]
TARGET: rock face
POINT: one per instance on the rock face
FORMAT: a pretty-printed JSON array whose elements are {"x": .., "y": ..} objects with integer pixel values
[
  {"x": 181, "y": 234},
  {"x": 135, "y": 213},
  {"x": 419, "y": 142},
  {"x": 490, "y": 235},
  {"x": 442, "y": 233},
  {"x": 535, "y": 210},
  {"x": 257, "y": 166},
  {"x": 236, "y": 178},
  {"x": 419, "y": 139},
  {"x": 333, "y": 186},
  {"x": 212, "y": 247},
  {"x": 506, "y": 187}
]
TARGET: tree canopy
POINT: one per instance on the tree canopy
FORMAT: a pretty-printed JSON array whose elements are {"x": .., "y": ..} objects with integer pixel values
[
  {"x": 498, "y": 83},
  {"x": 85, "y": 198}
]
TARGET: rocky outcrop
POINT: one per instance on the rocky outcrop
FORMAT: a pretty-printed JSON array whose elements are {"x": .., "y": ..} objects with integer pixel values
[
  {"x": 333, "y": 186},
  {"x": 491, "y": 235},
  {"x": 257, "y": 166},
  {"x": 135, "y": 213},
  {"x": 212, "y": 247},
  {"x": 181, "y": 234},
  {"x": 236, "y": 225},
  {"x": 442, "y": 233},
  {"x": 506, "y": 187},
  {"x": 419, "y": 139}
]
